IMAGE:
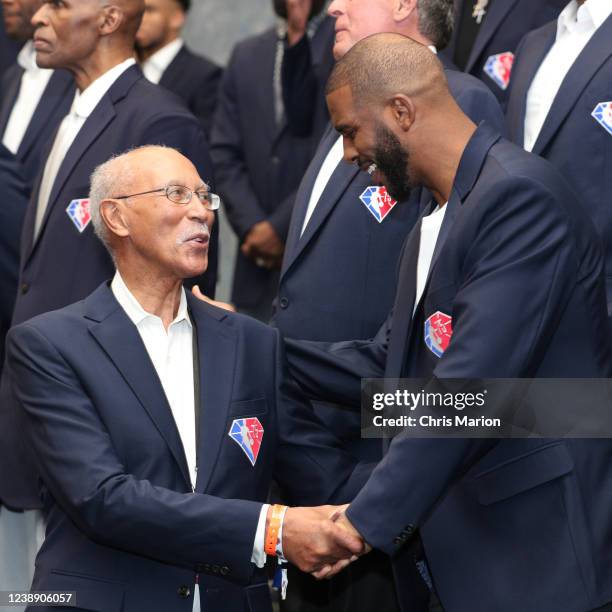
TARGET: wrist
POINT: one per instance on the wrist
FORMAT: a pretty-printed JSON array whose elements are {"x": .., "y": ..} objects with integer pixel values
[{"x": 274, "y": 524}]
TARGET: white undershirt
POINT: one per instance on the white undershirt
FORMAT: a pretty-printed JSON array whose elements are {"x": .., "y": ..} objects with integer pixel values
[
  {"x": 34, "y": 80},
  {"x": 83, "y": 105},
  {"x": 171, "y": 353},
  {"x": 575, "y": 27},
  {"x": 157, "y": 64},
  {"x": 430, "y": 230}
]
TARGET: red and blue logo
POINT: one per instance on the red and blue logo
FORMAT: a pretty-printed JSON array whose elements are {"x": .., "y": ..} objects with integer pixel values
[
  {"x": 378, "y": 202},
  {"x": 499, "y": 68},
  {"x": 438, "y": 332},
  {"x": 78, "y": 211},
  {"x": 603, "y": 115},
  {"x": 248, "y": 434}
]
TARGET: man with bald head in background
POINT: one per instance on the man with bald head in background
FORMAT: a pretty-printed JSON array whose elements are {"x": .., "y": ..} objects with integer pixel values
[{"x": 114, "y": 109}]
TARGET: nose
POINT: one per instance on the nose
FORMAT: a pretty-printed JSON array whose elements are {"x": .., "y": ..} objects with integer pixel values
[
  {"x": 196, "y": 211},
  {"x": 351, "y": 154},
  {"x": 39, "y": 17},
  {"x": 335, "y": 8}
]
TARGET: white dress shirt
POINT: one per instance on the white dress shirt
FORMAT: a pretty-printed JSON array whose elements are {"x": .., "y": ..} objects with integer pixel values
[
  {"x": 157, "y": 64},
  {"x": 34, "y": 80},
  {"x": 333, "y": 158},
  {"x": 430, "y": 230},
  {"x": 171, "y": 353},
  {"x": 83, "y": 105},
  {"x": 575, "y": 27}
]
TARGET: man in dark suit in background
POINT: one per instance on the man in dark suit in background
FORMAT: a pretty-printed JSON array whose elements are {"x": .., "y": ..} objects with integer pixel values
[
  {"x": 167, "y": 60},
  {"x": 259, "y": 161},
  {"x": 12, "y": 209},
  {"x": 487, "y": 33},
  {"x": 33, "y": 100},
  {"x": 167, "y": 510},
  {"x": 8, "y": 48},
  {"x": 502, "y": 278},
  {"x": 560, "y": 106},
  {"x": 338, "y": 276},
  {"x": 116, "y": 109}
]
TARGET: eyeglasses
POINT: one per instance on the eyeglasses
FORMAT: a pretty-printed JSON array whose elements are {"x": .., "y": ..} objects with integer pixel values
[{"x": 181, "y": 195}]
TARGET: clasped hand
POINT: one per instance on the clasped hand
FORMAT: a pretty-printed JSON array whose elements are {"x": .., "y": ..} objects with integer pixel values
[{"x": 321, "y": 540}]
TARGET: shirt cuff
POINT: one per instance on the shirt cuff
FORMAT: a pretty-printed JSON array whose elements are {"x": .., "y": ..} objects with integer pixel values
[{"x": 259, "y": 554}]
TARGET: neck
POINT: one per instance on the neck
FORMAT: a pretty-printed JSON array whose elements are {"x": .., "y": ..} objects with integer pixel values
[
  {"x": 97, "y": 65},
  {"x": 442, "y": 155},
  {"x": 159, "y": 295},
  {"x": 145, "y": 54}
]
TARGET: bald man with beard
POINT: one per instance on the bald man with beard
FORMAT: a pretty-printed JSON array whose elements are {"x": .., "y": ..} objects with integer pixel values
[{"x": 115, "y": 108}]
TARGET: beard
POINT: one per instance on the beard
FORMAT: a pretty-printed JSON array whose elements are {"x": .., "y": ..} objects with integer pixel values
[{"x": 393, "y": 162}]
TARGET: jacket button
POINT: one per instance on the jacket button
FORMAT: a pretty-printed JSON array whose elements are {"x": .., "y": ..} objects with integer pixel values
[
  {"x": 283, "y": 303},
  {"x": 215, "y": 569},
  {"x": 397, "y": 540},
  {"x": 225, "y": 570},
  {"x": 199, "y": 568},
  {"x": 275, "y": 160},
  {"x": 207, "y": 567},
  {"x": 183, "y": 591},
  {"x": 410, "y": 529},
  {"x": 24, "y": 288}
]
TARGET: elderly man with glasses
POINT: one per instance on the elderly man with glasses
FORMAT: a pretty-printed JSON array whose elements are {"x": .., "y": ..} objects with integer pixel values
[{"x": 157, "y": 421}]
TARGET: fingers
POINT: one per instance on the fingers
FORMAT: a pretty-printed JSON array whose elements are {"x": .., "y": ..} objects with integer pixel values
[{"x": 223, "y": 305}]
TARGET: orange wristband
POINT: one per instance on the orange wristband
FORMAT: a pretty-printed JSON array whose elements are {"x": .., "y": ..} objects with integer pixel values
[{"x": 274, "y": 526}]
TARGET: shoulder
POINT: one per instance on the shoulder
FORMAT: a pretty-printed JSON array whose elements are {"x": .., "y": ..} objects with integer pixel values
[
  {"x": 463, "y": 84},
  {"x": 245, "y": 49},
  {"x": 200, "y": 65}
]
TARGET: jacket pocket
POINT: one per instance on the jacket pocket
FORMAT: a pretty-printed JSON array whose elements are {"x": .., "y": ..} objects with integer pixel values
[
  {"x": 92, "y": 593},
  {"x": 523, "y": 473}
]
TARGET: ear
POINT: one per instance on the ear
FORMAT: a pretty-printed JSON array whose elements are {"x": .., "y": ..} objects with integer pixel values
[
  {"x": 402, "y": 111},
  {"x": 113, "y": 219},
  {"x": 177, "y": 20},
  {"x": 402, "y": 9},
  {"x": 112, "y": 18}
]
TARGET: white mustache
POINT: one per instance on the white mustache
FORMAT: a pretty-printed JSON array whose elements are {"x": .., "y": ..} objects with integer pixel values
[{"x": 197, "y": 229}]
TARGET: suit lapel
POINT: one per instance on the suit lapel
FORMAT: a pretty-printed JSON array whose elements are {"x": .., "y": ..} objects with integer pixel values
[
  {"x": 336, "y": 186},
  {"x": 12, "y": 78},
  {"x": 217, "y": 355},
  {"x": 120, "y": 340},
  {"x": 57, "y": 91},
  {"x": 172, "y": 74},
  {"x": 597, "y": 51},
  {"x": 498, "y": 12},
  {"x": 522, "y": 77}
]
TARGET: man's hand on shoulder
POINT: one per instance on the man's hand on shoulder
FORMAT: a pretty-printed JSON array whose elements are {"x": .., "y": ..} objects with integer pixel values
[{"x": 224, "y": 305}]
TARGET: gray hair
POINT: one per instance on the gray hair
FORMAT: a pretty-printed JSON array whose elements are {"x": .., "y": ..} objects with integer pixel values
[
  {"x": 436, "y": 21},
  {"x": 111, "y": 179}
]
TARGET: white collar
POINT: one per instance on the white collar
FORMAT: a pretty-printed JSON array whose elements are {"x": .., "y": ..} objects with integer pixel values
[
  {"x": 162, "y": 58},
  {"x": 86, "y": 100},
  {"x": 589, "y": 16},
  {"x": 135, "y": 311}
]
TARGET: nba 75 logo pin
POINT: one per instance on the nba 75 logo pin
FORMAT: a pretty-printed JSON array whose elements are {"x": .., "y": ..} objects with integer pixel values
[
  {"x": 248, "y": 434},
  {"x": 78, "y": 212},
  {"x": 378, "y": 201}
]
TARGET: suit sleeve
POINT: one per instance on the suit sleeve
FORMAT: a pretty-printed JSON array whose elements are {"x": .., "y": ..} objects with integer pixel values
[
  {"x": 311, "y": 465},
  {"x": 480, "y": 104},
  {"x": 520, "y": 269},
  {"x": 81, "y": 469},
  {"x": 205, "y": 103},
  {"x": 227, "y": 150}
]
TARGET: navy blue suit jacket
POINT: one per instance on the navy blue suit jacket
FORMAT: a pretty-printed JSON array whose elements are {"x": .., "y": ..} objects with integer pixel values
[
  {"x": 125, "y": 530},
  {"x": 571, "y": 138},
  {"x": 518, "y": 270},
  {"x": 338, "y": 279},
  {"x": 505, "y": 24},
  {"x": 14, "y": 201},
  {"x": 54, "y": 105},
  {"x": 258, "y": 164},
  {"x": 63, "y": 264},
  {"x": 195, "y": 80},
  {"x": 8, "y": 49}
]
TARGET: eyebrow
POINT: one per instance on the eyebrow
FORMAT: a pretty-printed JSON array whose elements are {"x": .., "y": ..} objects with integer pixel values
[
  {"x": 201, "y": 185},
  {"x": 344, "y": 128}
]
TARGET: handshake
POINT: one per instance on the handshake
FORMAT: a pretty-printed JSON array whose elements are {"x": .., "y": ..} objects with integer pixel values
[{"x": 321, "y": 540}]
